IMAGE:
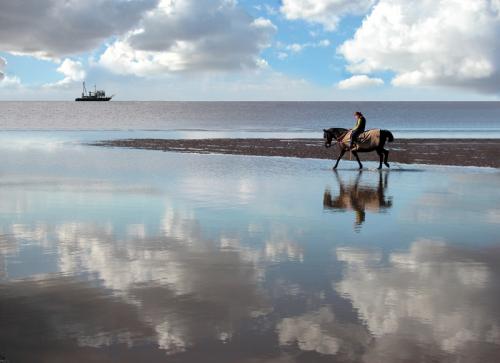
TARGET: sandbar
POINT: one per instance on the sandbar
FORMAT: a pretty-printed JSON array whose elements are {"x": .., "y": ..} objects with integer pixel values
[{"x": 462, "y": 152}]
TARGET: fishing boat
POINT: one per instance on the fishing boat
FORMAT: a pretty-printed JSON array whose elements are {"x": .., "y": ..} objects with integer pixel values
[{"x": 97, "y": 95}]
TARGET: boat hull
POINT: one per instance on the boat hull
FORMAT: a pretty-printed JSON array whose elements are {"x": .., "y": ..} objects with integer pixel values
[{"x": 93, "y": 99}]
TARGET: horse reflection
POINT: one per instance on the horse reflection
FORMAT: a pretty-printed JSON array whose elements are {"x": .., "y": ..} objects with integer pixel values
[{"x": 359, "y": 198}]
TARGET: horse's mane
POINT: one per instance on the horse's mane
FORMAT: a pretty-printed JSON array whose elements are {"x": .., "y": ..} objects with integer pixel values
[
  {"x": 336, "y": 131},
  {"x": 332, "y": 129}
]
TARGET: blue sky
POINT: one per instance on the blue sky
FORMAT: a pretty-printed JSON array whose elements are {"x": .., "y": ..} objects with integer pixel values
[{"x": 251, "y": 49}]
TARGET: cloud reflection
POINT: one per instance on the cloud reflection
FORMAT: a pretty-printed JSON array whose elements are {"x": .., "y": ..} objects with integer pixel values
[
  {"x": 309, "y": 333},
  {"x": 182, "y": 287},
  {"x": 432, "y": 301},
  {"x": 434, "y": 295},
  {"x": 173, "y": 279}
]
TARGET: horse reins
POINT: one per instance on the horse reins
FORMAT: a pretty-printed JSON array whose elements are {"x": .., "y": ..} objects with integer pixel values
[{"x": 340, "y": 141}]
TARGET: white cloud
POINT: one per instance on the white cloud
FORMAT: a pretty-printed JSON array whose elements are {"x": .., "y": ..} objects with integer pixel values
[
  {"x": 3, "y": 63},
  {"x": 282, "y": 55},
  {"x": 297, "y": 48},
  {"x": 5, "y": 80},
  {"x": 72, "y": 70},
  {"x": 184, "y": 36},
  {"x": 54, "y": 28},
  {"x": 270, "y": 10},
  {"x": 443, "y": 43},
  {"x": 324, "y": 43},
  {"x": 359, "y": 81},
  {"x": 10, "y": 82},
  {"x": 324, "y": 12}
]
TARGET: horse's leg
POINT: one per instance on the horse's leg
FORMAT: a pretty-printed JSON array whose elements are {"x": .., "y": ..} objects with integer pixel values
[
  {"x": 386, "y": 156},
  {"x": 380, "y": 155},
  {"x": 342, "y": 152},
  {"x": 355, "y": 153}
]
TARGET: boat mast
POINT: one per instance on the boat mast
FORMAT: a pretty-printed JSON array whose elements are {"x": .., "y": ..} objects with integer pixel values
[{"x": 84, "y": 89}]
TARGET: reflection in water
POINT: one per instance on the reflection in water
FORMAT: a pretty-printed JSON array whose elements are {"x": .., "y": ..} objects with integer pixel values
[
  {"x": 186, "y": 287},
  {"x": 323, "y": 332},
  {"x": 434, "y": 302},
  {"x": 124, "y": 272},
  {"x": 175, "y": 289},
  {"x": 359, "y": 198},
  {"x": 430, "y": 301}
]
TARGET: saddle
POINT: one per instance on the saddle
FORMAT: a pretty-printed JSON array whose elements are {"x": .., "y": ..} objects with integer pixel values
[{"x": 369, "y": 139}]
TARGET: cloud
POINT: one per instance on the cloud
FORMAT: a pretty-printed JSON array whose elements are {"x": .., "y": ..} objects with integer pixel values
[
  {"x": 3, "y": 63},
  {"x": 5, "y": 80},
  {"x": 297, "y": 48},
  {"x": 325, "y": 12},
  {"x": 431, "y": 43},
  {"x": 282, "y": 55},
  {"x": 55, "y": 28},
  {"x": 359, "y": 81},
  {"x": 184, "y": 36},
  {"x": 73, "y": 71}
]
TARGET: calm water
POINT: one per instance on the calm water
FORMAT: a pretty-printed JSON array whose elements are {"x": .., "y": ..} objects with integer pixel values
[
  {"x": 253, "y": 119},
  {"x": 137, "y": 256}
]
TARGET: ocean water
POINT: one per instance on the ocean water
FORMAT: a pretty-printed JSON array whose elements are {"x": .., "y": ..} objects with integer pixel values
[
  {"x": 118, "y": 255},
  {"x": 247, "y": 119},
  {"x": 113, "y": 255}
]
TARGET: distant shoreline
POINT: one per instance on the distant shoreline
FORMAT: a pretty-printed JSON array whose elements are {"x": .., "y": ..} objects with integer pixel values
[{"x": 460, "y": 152}]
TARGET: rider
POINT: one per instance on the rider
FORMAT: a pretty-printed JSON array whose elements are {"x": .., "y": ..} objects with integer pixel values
[{"x": 358, "y": 129}]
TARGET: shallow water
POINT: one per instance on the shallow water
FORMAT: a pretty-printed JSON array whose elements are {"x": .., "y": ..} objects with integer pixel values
[{"x": 130, "y": 256}]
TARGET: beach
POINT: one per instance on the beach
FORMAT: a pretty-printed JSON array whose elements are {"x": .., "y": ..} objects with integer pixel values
[
  {"x": 169, "y": 231},
  {"x": 458, "y": 152},
  {"x": 143, "y": 255}
]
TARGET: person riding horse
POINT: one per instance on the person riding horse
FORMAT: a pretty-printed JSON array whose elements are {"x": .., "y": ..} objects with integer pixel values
[
  {"x": 372, "y": 140},
  {"x": 358, "y": 129}
]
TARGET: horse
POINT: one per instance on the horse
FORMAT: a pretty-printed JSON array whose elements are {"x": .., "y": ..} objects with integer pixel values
[{"x": 371, "y": 140}]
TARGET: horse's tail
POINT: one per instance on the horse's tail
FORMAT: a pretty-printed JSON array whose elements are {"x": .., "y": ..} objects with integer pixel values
[{"x": 389, "y": 135}]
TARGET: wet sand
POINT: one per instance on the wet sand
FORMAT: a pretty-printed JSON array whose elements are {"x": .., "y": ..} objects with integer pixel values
[{"x": 463, "y": 152}]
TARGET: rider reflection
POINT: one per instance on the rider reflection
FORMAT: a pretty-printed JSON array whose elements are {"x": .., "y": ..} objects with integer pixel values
[{"x": 359, "y": 198}]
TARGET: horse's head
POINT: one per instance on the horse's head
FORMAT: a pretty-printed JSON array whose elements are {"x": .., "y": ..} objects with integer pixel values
[
  {"x": 332, "y": 133},
  {"x": 327, "y": 136}
]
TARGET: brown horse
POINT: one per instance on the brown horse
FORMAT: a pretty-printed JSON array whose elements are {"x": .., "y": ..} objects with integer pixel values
[{"x": 371, "y": 140}]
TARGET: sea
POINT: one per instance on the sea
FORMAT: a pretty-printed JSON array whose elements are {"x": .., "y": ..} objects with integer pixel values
[
  {"x": 128, "y": 255},
  {"x": 89, "y": 120}
]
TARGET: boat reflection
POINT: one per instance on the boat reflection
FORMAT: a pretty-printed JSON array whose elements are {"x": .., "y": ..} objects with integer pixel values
[{"x": 359, "y": 197}]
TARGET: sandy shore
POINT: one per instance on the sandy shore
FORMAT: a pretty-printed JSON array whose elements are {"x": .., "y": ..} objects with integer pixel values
[{"x": 473, "y": 152}]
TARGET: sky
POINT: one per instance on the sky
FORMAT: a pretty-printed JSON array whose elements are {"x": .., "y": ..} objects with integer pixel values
[{"x": 311, "y": 50}]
